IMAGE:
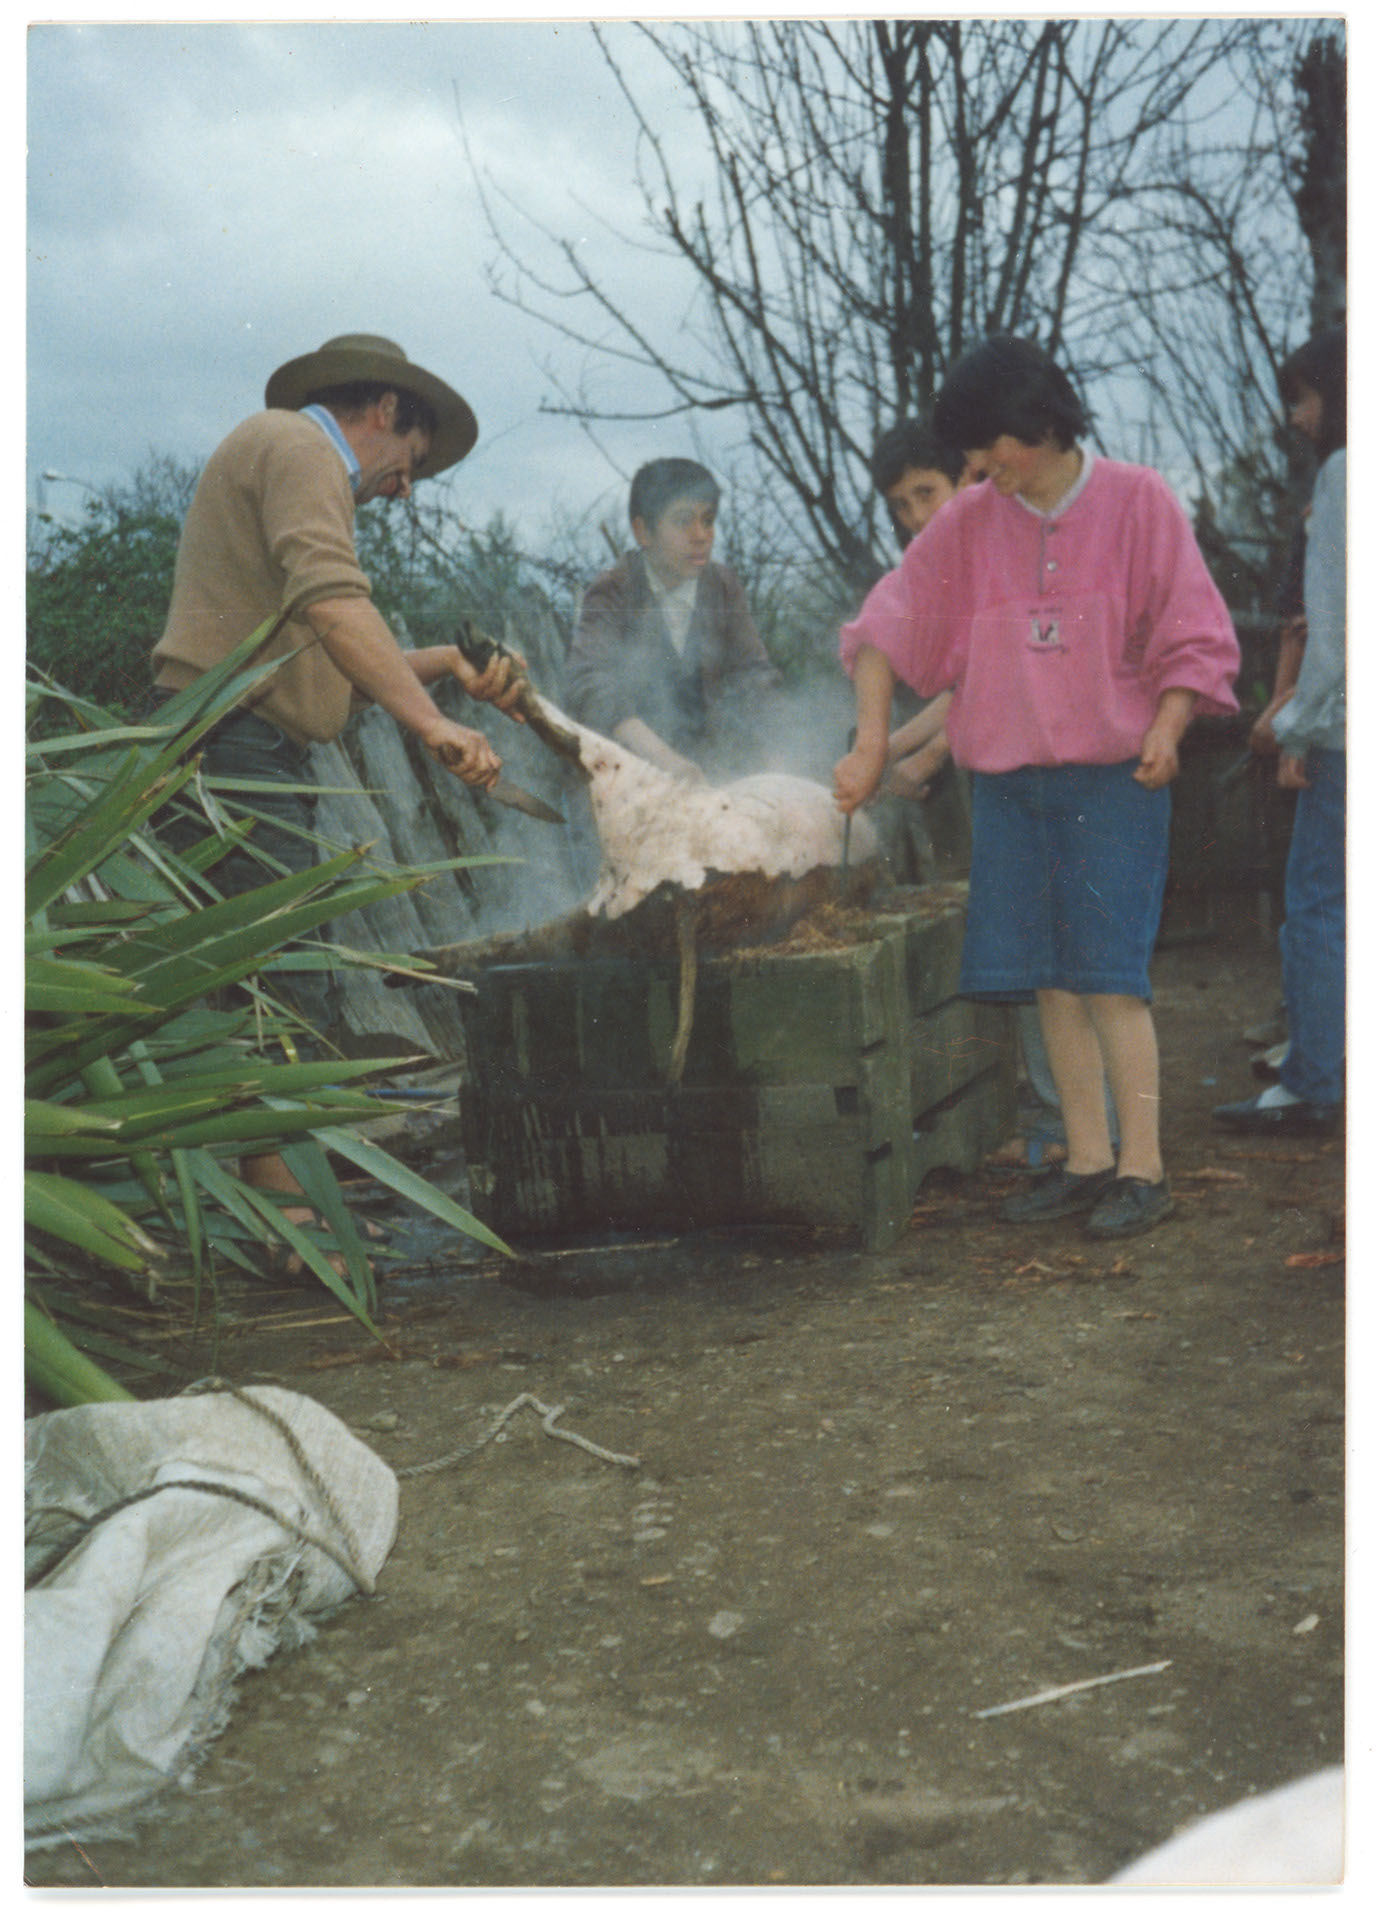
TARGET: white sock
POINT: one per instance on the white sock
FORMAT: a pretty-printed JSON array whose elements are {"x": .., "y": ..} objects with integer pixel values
[{"x": 1278, "y": 1096}]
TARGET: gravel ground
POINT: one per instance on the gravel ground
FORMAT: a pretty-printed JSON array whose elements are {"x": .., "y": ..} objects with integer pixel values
[{"x": 878, "y": 1495}]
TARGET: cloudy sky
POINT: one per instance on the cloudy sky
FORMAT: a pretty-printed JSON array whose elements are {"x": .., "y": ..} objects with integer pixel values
[{"x": 207, "y": 201}]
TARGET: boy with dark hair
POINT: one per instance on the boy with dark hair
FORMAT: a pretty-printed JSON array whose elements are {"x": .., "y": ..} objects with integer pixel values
[
  {"x": 659, "y": 483},
  {"x": 915, "y": 473},
  {"x": 666, "y": 656}
]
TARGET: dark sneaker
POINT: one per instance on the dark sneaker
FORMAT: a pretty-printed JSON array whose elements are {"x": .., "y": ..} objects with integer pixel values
[
  {"x": 1130, "y": 1206},
  {"x": 1295, "y": 1117},
  {"x": 1055, "y": 1195}
]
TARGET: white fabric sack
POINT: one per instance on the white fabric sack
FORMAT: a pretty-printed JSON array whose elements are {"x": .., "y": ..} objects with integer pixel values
[
  {"x": 134, "y": 1641},
  {"x": 1292, "y": 1837}
]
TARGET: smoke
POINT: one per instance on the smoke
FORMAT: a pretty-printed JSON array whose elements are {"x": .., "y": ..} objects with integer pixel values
[
  {"x": 802, "y": 730},
  {"x": 552, "y": 868}
]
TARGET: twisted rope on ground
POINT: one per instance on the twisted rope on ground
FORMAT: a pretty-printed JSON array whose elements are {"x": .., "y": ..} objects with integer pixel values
[
  {"x": 548, "y": 1416},
  {"x": 310, "y": 1472},
  {"x": 347, "y": 1558}
]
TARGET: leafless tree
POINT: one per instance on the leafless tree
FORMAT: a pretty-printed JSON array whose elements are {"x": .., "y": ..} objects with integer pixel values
[
  {"x": 880, "y": 193},
  {"x": 1248, "y": 256}
]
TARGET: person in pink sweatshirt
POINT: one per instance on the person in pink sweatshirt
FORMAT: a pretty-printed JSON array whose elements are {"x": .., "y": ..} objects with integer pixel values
[{"x": 1065, "y": 605}]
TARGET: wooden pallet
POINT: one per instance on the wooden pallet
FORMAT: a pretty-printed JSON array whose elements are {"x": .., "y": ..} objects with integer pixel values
[{"x": 819, "y": 1087}]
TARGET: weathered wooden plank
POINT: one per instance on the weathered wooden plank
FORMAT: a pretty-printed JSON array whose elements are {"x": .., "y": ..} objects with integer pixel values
[
  {"x": 952, "y": 1045},
  {"x": 541, "y": 1179},
  {"x": 959, "y": 1134},
  {"x": 811, "y": 1021},
  {"x": 569, "y": 1110},
  {"x": 582, "y": 1169},
  {"x": 932, "y": 920},
  {"x": 345, "y": 817},
  {"x": 413, "y": 833},
  {"x": 376, "y": 1020},
  {"x": 380, "y": 794},
  {"x": 813, "y": 1091},
  {"x": 790, "y": 1013}
]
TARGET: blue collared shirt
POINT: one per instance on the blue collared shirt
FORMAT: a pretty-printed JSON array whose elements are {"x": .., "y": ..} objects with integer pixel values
[{"x": 325, "y": 419}]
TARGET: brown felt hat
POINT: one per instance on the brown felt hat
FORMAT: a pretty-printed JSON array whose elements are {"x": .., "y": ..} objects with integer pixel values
[{"x": 367, "y": 356}]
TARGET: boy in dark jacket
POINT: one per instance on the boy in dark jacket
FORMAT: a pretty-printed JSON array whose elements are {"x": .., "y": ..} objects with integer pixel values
[{"x": 666, "y": 659}]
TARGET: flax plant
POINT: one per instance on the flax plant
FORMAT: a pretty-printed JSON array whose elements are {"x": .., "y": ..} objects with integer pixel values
[{"x": 144, "y": 1081}]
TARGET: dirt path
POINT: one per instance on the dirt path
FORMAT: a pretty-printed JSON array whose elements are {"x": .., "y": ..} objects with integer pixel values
[{"x": 879, "y": 1494}]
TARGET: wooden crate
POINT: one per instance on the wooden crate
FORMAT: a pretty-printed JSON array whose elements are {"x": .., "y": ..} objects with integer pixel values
[{"x": 819, "y": 1087}]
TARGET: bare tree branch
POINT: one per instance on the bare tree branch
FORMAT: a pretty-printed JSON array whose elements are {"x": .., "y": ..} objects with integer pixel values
[{"x": 880, "y": 193}]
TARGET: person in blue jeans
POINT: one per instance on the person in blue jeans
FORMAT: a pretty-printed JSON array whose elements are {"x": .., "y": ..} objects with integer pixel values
[{"x": 1311, "y": 731}]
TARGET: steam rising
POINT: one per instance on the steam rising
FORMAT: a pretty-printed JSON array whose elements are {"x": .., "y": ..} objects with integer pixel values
[{"x": 651, "y": 828}]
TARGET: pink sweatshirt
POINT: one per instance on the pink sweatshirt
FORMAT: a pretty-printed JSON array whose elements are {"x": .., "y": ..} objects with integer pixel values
[{"x": 1057, "y": 633}]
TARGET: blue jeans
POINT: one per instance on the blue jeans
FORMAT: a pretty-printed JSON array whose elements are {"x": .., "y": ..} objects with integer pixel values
[{"x": 1313, "y": 940}]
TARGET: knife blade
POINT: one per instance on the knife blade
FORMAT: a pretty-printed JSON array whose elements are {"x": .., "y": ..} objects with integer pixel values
[{"x": 507, "y": 794}]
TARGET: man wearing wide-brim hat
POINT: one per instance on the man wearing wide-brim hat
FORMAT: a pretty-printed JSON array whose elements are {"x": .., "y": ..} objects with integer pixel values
[{"x": 269, "y": 533}]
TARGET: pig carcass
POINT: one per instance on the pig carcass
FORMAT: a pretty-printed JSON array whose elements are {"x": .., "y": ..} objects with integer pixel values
[
  {"x": 657, "y": 830},
  {"x": 727, "y": 862}
]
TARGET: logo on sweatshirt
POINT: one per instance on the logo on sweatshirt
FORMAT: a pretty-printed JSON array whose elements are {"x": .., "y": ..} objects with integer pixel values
[{"x": 1044, "y": 633}]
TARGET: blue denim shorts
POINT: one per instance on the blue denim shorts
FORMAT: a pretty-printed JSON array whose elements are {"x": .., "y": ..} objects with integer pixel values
[{"x": 1067, "y": 875}]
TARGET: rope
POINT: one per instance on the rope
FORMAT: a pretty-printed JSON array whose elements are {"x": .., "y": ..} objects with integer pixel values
[
  {"x": 67, "y": 1547},
  {"x": 548, "y": 1417},
  {"x": 346, "y": 1559},
  {"x": 314, "y": 1479}
]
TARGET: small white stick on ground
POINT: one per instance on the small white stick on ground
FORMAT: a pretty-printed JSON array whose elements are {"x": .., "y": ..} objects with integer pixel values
[{"x": 1072, "y": 1686}]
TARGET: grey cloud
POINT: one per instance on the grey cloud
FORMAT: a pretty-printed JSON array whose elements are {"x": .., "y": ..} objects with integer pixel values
[{"x": 205, "y": 202}]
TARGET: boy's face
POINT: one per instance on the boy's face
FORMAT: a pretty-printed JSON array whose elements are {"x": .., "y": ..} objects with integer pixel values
[
  {"x": 679, "y": 544},
  {"x": 916, "y": 495},
  {"x": 1306, "y": 410}
]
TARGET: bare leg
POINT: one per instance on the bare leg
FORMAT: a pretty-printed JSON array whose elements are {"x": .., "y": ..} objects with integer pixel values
[
  {"x": 1077, "y": 1067},
  {"x": 268, "y": 1170},
  {"x": 1127, "y": 1038},
  {"x": 271, "y": 1172}
]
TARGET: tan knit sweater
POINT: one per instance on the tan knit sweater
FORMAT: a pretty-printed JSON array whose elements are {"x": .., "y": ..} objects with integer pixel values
[{"x": 271, "y": 528}]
